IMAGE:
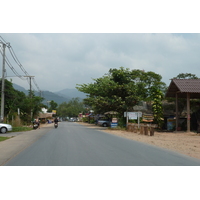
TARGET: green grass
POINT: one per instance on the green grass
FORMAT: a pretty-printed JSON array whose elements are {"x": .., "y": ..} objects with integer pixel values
[
  {"x": 21, "y": 129},
  {"x": 3, "y": 138}
]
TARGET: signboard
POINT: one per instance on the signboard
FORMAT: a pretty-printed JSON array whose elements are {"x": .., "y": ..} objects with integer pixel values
[
  {"x": 148, "y": 118},
  {"x": 113, "y": 125},
  {"x": 54, "y": 111},
  {"x": 114, "y": 120},
  {"x": 171, "y": 123},
  {"x": 133, "y": 115}
]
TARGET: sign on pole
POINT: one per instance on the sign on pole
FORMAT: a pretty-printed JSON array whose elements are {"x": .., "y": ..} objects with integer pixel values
[{"x": 133, "y": 115}]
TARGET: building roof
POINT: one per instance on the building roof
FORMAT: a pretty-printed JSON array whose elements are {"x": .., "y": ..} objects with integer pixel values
[
  {"x": 45, "y": 115},
  {"x": 184, "y": 86}
]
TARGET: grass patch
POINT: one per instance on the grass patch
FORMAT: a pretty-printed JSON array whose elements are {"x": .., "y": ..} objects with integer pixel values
[
  {"x": 21, "y": 129},
  {"x": 3, "y": 138}
]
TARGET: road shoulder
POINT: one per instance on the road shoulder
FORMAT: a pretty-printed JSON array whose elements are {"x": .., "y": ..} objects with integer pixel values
[
  {"x": 13, "y": 146},
  {"x": 181, "y": 142}
]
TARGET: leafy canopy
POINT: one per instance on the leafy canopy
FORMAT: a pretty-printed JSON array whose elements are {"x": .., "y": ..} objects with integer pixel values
[
  {"x": 15, "y": 99},
  {"x": 71, "y": 109},
  {"x": 121, "y": 89}
]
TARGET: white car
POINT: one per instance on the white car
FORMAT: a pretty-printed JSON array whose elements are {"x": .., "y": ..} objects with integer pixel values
[{"x": 5, "y": 127}]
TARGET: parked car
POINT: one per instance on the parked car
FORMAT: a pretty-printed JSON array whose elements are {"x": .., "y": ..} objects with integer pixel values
[
  {"x": 5, "y": 127},
  {"x": 104, "y": 122}
]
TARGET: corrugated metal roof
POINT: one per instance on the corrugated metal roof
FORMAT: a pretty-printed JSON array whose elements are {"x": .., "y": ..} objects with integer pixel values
[{"x": 184, "y": 86}]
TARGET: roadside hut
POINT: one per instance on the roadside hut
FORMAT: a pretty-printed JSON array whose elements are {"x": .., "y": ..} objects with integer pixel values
[
  {"x": 184, "y": 88},
  {"x": 43, "y": 117}
]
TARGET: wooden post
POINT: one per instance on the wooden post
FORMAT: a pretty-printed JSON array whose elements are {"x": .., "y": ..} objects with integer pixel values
[
  {"x": 151, "y": 131},
  {"x": 135, "y": 128},
  {"x": 141, "y": 129},
  {"x": 188, "y": 112},
  {"x": 145, "y": 130},
  {"x": 132, "y": 127},
  {"x": 129, "y": 127},
  {"x": 176, "y": 111}
]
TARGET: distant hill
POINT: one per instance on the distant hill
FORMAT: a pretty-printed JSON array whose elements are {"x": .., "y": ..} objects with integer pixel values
[
  {"x": 71, "y": 93},
  {"x": 50, "y": 96},
  {"x": 19, "y": 88},
  {"x": 59, "y": 97}
]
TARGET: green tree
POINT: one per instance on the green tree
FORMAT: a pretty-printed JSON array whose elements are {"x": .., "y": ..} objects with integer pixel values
[
  {"x": 72, "y": 108},
  {"x": 30, "y": 105},
  {"x": 9, "y": 96},
  {"x": 53, "y": 106},
  {"x": 121, "y": 89},
  {"x": 186, "y": 76},
  {"x": 157, "y": 107},
  {"x": 113, "y": 91},
  {"x": 15, "y": 99}
]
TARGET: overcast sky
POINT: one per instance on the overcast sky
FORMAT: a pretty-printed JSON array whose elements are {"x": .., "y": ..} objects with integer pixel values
[
  {"x": 59, "y": 61},
  {"x": 67, "y": 44}
]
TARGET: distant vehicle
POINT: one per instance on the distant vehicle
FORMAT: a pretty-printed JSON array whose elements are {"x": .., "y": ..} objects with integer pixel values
[
  {"x": 72, "y": 120},
  {"x": 104, "y": 122},
  {"x": 5, "y": 127}
]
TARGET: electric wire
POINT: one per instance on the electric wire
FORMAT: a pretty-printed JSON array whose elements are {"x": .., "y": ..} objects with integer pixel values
[
  {"x": 36, "y": 84},
  {"x": 11, "y": 67},
  {"x": 17, "y": 61},
  {"x": 2, "y": 40}
]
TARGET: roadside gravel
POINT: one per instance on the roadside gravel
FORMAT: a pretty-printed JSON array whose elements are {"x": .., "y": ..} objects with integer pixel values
[{"x": 182, "y": 142}]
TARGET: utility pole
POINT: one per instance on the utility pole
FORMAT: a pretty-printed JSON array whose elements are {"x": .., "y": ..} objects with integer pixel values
[
  {"x": 3, "y": 85},
  {"x": 30, "y": 85},
  {"x": 30, "y": 94}
]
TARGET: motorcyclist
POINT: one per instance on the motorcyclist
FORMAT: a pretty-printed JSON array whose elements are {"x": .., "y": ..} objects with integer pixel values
[{"x": 56, "y": 121}]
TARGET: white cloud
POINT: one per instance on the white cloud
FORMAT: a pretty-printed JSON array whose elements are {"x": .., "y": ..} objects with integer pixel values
[{"x": 60, "y": 61}]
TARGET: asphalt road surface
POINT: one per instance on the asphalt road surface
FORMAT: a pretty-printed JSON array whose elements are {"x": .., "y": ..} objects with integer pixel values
[{"x": 72, "y": 144}]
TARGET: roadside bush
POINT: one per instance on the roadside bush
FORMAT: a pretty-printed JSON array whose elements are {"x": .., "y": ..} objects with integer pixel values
[
  {"x": 21, "y": 129},
  {"x": 85, "y": 119},
  {"x": 122, "y": 122},
  {"x": 92, "y": 121}
]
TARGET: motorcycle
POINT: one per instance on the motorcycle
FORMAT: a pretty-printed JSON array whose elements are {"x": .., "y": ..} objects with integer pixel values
[
  {"x": 56, "y": 125},
  {"x": 35, "y": 125}
]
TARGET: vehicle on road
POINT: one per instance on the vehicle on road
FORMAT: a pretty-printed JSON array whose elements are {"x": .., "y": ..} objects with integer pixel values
[
  {"x": 5, "y": 127},
  {"x": 35, "y": 125},
  {"x": 72, "y": 120},
  {"x": 105, "y": 122}
]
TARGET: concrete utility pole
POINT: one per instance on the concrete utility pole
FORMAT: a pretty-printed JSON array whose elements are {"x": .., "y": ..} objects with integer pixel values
[
  {"x": 30, "y": 93},
  {"x": 30, "y": 85},
  {"x": 3, "y": 85}
]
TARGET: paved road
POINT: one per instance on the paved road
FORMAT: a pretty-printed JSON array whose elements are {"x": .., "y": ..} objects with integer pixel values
[{"x": 72, "y": 144}]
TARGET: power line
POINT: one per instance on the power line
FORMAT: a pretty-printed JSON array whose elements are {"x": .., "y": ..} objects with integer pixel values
[
  {"x": 3, "y": 40},
  {"x": 36, "y": 84},
  {"x": 17, "y": 61},
  {"x": 11, "y": 67}
]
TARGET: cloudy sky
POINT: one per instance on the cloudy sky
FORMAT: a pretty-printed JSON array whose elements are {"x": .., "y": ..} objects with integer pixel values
[
  {"x": 62, "y": 60},
  {"x": 67, "y": 44}
]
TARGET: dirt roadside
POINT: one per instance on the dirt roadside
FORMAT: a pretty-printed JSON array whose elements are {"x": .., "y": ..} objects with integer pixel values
[
  {"x": 182, "y": 142},
  {"x": 11, "y": 147}
]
